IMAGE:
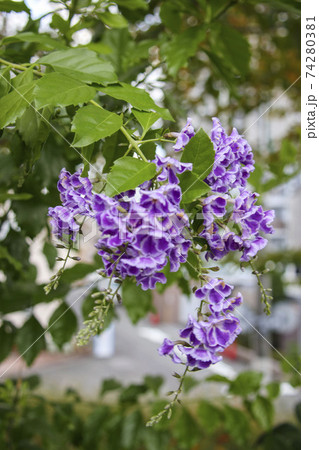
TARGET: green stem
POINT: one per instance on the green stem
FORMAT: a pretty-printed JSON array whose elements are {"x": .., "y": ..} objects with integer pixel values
[
  {"x": 264, "y": 296},
  {"x": 19, "y": 67},
  {"x": 155, "y": 140},
  {"x": 133, "y": 143}
]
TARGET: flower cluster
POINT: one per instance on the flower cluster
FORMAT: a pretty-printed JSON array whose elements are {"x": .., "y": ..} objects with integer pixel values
[
  {"x": 211, "y": 333},
  {"x": 76, "y": 197},
  {"x": 145, "y": 229},
  {"x": 140, "y": 236},
  {"x": 232, "y": 220}
]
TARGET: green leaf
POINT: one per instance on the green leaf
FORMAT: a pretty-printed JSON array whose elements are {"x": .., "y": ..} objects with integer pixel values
[
  {"x": 50, "y": 253},
  {"x": 82, "y": 64},
  {"x": 131, "y": 393},
  {"x": 5, "y": 81},
  {"x": 25, "y": 77},
  {"x": 138, "y": 98},
  {"x": 193, "y": 264},
  {"x": 209, "y": 417},
  {"x": 170, "y": 14},
  {"x": 273, "y": 389},
  {"x": 146, "y": 119},
  {"x": 200, "y": 152},
  {"x": 133, "y": 4},
  {"x": 58, "y": 89},
  {"x": 14, "y": 104},
  {"x": 136, "y": 301},
  {"x": 246, "y": 383},
  {"x": 153, "y": 382},
  {"x": 113, "y": 20},
  {"x": 45, "y": 40},
  {"x": 218, "y": 378},
  {"x": 91, "y": 123},
  {"x": 112, "y": 150},
  {"x": 131, "y": 425},
  {"x": 4, "y": 254},
  {"x": 285, "y": 436},
  {"x": 128, "y": 173},
  {"x": 192, "y": 187},
  {"x": 30, "y": 340},
  {"x": 236, "y": 48},
  {"x": 62, "y": 325},
  {"x": 109, "y": 384},
  {"x": 8, "y": 6},
  {"x": 34, "y": 128},
  {"x": 59, "y": 23},
  {"x": 263, "y": 411},
  {"x": 182, "y": 47},
  {"x": 77, "y": 272},
  {"x": 7, "y": 335},
  {"x": 186, "y": 430},
  {"x": 237, "y": 425}
]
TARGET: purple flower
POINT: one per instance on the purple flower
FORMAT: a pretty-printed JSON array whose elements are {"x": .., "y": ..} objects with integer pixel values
[
  {"x": 184, "y": 136},
  {"x": 62, "y": 223},
  {"x": 169, "y": 168},
  {"x": 215, "y": 291}
]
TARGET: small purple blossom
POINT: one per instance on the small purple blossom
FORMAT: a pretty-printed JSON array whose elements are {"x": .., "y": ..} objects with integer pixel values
[
  {"x": 169, "y": 168},
  {"x": 184, "y": 136}
]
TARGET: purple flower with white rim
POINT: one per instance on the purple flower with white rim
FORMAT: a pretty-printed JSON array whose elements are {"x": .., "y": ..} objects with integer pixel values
[
  {"x": 214, "y": 206},
  {"x": 215, "y": 292},
  {"x": 62, "y": 222},
  {"x": 169, "y": 167},
  {"x": 184, "y": 136}
]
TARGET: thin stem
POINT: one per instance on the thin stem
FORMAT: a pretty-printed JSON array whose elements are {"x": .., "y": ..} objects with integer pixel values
[
  {"x": 265, "y": 297},
  {"x": 155, "y": 140},
  {"x": 133, "y": 143},
  {"x": 19, "y": 67}
]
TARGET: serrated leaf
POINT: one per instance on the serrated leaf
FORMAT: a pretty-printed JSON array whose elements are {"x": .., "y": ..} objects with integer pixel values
[
  {"x": 15, "y": 103},
  {"x": 25, "y": 77},
  {"x": 91, "y": 123},
  {"x": 246, "y": 383},
  {"x": 30, "y": 340},
  {"x": 82, "y": 64},
  {"x": 138, "y": 98},
  {"x": 62, "y": 325},
  {"x": 146, "y": 119},
  {"x": 58, "y": 89},
  {"x": 182, "y": 47},
  {"x": 192, "y": 187},
  {"x": 136, "y": 301},
  {"x": 128, "y": 173},
  {"x": 200, "y": 152}
]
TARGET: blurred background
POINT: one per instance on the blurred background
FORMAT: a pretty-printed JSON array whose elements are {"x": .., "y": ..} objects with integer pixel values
[{"x": 244, "y": 70}]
